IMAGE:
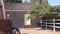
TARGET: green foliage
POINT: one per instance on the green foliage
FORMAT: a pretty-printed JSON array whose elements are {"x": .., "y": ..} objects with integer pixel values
[
  {"x": 18, "y": 1},
  {"x": 27, "y": 18},
  {"x": 53, "y": 13},
  {"x": 39, "y": 1},
  {"x": 39, "y": 10},
  {"x": 6, "y": 0},
  {"x": 44, "y": 11}
]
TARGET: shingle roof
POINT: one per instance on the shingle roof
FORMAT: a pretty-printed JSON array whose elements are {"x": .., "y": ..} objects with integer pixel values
[{"x": 18, "y": 6}]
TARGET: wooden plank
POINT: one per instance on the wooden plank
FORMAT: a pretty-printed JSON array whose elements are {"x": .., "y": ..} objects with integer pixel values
[
  {"x": 6, "y": 24},
  {"x": 57, "y": 27},
  {"x": 57, "y": 19},
  {"x": 57, "y": 23},
  {"x": 49, "y": 23},
  {"x": 54, "y": 24},
  {"x": 46, "y": 24},
  {"x": 43, "y": 25}
]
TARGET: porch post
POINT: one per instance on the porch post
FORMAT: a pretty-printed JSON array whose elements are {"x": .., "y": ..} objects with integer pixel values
[{"x": 3, "y": 9}]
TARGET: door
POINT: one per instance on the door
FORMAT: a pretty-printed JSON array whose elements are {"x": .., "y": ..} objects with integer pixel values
[{"x": 27, "y": 19}]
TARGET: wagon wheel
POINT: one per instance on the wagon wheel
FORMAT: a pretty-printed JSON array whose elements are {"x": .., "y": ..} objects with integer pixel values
[{"x": 15, "y": 31}]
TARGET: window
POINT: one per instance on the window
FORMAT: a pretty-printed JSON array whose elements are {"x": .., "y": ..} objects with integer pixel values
[{"x": 27, "y": 19}]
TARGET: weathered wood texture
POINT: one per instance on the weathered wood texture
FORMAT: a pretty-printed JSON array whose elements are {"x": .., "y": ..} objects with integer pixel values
[
  {"x": 5, "y": 25},
  {"x": 18, "y": 19}
]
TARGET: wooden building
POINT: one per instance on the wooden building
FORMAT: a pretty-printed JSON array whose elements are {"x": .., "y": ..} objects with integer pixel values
[{"x": 18, "y": 14}]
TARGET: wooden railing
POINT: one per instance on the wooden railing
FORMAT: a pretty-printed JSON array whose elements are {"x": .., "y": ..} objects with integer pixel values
[{"x": 54, "y": 23}]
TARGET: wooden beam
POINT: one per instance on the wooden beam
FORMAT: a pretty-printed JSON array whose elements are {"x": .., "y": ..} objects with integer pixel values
[
  {"x": 16, "y": 10},
  {"x": 3, "y": 8},
  {"x": 54, "y": 24}
]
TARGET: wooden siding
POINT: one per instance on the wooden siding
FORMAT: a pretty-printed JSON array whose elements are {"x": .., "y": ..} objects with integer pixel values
[{"x": 18, "y": 19}]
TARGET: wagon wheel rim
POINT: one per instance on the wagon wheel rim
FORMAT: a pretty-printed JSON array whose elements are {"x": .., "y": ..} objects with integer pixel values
[{"x": 14, "y": 31}]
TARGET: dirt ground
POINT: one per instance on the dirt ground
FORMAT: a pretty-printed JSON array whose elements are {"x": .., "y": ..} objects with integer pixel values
[{"x": 37, "y": 31}]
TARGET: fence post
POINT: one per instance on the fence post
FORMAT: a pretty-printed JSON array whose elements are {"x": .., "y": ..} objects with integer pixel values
[
  {"x": 41, "y": 22},
  {"x": 46, "y": 24},
  {"x": 54, "y": 24}
]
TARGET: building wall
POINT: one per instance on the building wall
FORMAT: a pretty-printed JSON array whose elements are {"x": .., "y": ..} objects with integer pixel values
[{"x": 18, "y": 19}]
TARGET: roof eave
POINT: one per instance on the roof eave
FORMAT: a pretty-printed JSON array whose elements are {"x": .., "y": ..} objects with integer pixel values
[{"x": 16, "y": 10}]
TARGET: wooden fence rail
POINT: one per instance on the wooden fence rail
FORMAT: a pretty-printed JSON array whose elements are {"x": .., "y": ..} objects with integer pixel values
[{"x": 54, "y": 23}]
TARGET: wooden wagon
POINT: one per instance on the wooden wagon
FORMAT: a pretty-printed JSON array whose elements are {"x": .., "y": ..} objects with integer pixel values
[{"x": 7, "y": 28}]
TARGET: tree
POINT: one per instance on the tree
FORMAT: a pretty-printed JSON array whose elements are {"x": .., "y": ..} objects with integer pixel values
[
  {"x": 54, "y": 12},
  {"x": 39, "y": 10},
  {"x": 18, "y": 1},
  {"x": 39, "y": 1},
  {"x": 42, "y": 10},
  {"x": 25, "y": 1},
  {"x": 32, "y": 1}
]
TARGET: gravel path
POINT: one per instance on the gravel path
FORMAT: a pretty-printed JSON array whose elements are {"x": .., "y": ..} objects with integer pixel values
[{"x": 37, "y": 31}]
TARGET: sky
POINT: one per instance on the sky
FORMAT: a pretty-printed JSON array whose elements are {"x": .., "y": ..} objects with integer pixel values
[
  {"x": 27, "y": 0},
  {"x": 54, "y": 2},
  {"x": 51, "y": 2}
]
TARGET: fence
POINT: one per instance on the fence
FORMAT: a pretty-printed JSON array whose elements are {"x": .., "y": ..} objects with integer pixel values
[{"x": 54, "y": 23}]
